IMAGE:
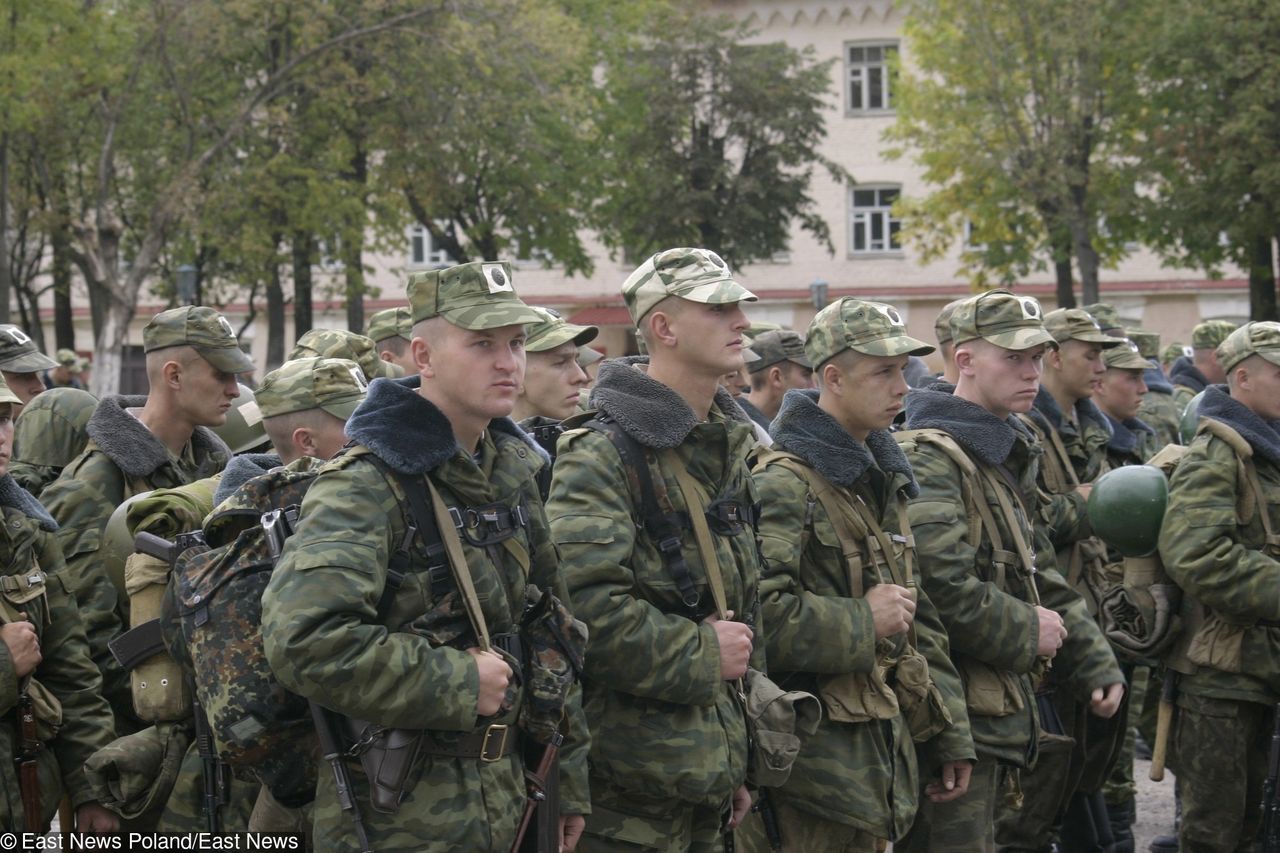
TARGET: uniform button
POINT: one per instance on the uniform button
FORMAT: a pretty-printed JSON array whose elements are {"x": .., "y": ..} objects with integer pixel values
[{"x": 521, "y": 452}]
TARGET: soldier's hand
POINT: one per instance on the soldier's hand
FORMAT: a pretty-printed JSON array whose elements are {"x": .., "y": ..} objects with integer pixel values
[
  {"x": 1052, "y": 632},
  {"x": 24, "y": 645},
  {"x": 741, "y": 805},
  {"x": 1105, "y": 703},
  {"x": 953, "y": 783},
  {"x": 892, "y": 609},
  {"x": 92, "y": 817},
  {"x": 1085, "y": 489},
  {"x": 735, "y": 645},
  {"x": 571, "y": 826},
  {"x": 495, "y": 674}
]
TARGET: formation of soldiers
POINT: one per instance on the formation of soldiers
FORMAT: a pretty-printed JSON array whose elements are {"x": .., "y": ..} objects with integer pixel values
[{"x": 749, "y": 590}]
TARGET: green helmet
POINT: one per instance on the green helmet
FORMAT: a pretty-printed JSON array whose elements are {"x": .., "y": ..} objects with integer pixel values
[
  {"x": 1127, "y": 506},
  {"x": 243, "y": 430},
  {"x": 117, "y": 544},
  {"x": 1190, "y": 420}
]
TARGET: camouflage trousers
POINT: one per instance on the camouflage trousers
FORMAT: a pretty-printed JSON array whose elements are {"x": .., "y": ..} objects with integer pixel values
[
  {"x": 803, "y": 832},
  {"x": 1120, "y": 787},
  {"x": 625, "y": 822},
  {"x": 964, "y": 825},
  {"x": 184, "y": 810},
  {"x": 1222, "y": 747}
]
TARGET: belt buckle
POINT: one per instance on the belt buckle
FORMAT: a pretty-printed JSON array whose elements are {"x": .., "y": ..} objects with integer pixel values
[{"x": 496, "y": 728}]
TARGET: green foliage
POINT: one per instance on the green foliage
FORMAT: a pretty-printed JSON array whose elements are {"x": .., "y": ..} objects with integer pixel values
[{"x": 709, "y": 139}]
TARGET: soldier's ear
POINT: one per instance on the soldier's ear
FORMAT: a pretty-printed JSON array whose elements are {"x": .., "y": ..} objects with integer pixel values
[
  {"x": 420, "y": 351},
  {"x": 171, "y": 373},
  {"x": 660, "y": 327}
]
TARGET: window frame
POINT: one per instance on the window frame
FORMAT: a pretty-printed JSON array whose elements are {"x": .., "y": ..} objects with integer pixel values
[
  {"x": 879, "y": 209},
  {"x": 863, "y": 67},
  {"x": 419, "y": 231}
]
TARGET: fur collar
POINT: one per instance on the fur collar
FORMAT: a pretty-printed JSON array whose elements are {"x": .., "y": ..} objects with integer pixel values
[
  {"x": 410, "y": 434},
  {"x": 1155, "y": 378},
  {"x": 15, "y": 497},
  {"x": 981, "y": 433},
  {"x": 650, "y": 412},
  {"x": 133, "y": 447},
  {"x": 803, "y": 428},
  {"x": 1263, "y": 436},
  {"x": 1185, "y": 373},
  {"x": 753, "y": 412},
  {"x": 1125, "y": 434},
  {"x": 1051, "y": 413},
  {"x": 240, "y": 470}
]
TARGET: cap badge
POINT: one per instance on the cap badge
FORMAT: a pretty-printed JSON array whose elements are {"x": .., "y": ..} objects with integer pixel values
[
  {"x": 226, "y": 327},
  {"x": 891, "y": 314},
  {"x": 497, "y": 279},
  {"x": 1030, "y": 308},
  {"x": 19, "y": 336}
]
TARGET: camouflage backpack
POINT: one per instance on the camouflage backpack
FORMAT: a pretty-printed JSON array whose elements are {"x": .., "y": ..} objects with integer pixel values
[{"x": 212, "y": 624}]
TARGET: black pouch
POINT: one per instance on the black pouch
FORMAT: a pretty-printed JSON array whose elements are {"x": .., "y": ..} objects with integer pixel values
[{"x": 389, "y": 758}]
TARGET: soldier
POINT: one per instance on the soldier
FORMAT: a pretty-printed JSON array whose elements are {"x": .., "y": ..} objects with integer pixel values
[
  {"x": 1170, "y": 354},
  {"x": 782, "y": 366},
  {"x": 1006, "y": 617},
  {"x": 837, "y": 480},
  {"x": 339, "y": 343},
  {"x": 394, "y": 669},
  {"x": 66, "y": 374},
  {"x": 1119, "y": 396},
  {"x": 1218, "y": 544},
  {"x": 51, "y": 706},
  {"x": 138, "y": 444},
  {"x": 1158, "y": 410},
  {"x": 1107, "y": 318},
  {"x": 21, "y": 363},
  {"x": 1192, "y": 375},
  {"x": 670, "y": 772},
  {"x": 553, "y": 381},
  {"x": 50, "y": 433},
  {"x": 946, "y": 346},
  {"x": 305, "y": 405},
  {"x": 391, "y": 330}
]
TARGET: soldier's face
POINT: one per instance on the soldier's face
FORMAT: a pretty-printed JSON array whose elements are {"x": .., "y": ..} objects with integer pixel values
[
  {"x": 1258, "y": 387},
  {"x": 874, "y": 389},
  {"x": 709, "y": 337},
  {"x": 1079, "y": 367},
  {"x": 1005, "y": 380},
  {"x": 477, "y": 373},
  {"x": 7, "y": 415},
  {"x": 1120, "y": 392},
  {"x": 552, "y": 380},
  {"x": 206, "y": 393},
  {"x": 25, "y": 385}
]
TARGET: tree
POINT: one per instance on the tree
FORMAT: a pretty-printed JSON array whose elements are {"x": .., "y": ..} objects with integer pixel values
[
  {"x": 709, "y": 140},
  {"x": 1022, "y": 114}
]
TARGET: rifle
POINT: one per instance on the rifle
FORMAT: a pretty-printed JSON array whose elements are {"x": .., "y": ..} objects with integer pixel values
[
  {"x": 326, "y": 734},
  {"x": 1270, "y": 798},
  {"x": 217, "y": 782},
  {"x": 26, "y": 762},
  {"x": 769, "y": 817},
  {"x": 1164, "y": 722},
  {"x": 540, "y": 785}
]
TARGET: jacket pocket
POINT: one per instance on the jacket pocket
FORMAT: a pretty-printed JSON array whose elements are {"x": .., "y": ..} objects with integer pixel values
[{"x": 988, "y": 691}]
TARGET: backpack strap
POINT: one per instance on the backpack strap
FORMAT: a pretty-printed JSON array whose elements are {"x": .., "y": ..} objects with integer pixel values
[{"x": 1252, "y": 499}]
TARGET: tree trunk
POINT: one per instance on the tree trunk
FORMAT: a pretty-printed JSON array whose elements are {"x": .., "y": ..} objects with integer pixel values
[
  {"x": 1082, "y": 247},
  {"x": 275, "y": 309},
  {"x": 108, "y": 347},
  {"x": 6, "y": 285},
  {"x": 353, "y": 242},
  {"x": 1262, "y": 280},
  {"x": 64, "y": 330},
  {"x": 303, "y": 249},
  {"x": 1062, "y": 270}
]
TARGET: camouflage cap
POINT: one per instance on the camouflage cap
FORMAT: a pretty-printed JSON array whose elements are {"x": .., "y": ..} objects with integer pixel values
[
  {"x": 872, "y": 328},
  {"x": 748, "y": 354},
  {"x": 1148, "y": 342},
  {"x": 588, "y": 356},
  {"x": 19, "y": 354},
  {"x": 1211, "y": 333},
  {"x": 1175, "y": 351},
  {"x": 552, "y": 330},
  {"x": 1075, "y": 324},
  {"x": 201, "y": 328},
  {"x": 68, "y": 359},
  {"x": 7, "y": 396},
  {"x": 339, "y": 343},
  {"x": 760, "y": 327},
  {"x": 1107, "y": 316},
  {"x": 1000, "y": 317},
  {"x": 694, "y": 274},
  {"x": 336, "y": 385},
  {"x": 1125, "y": 356},
  {"x": 942, "y": 325},
  {"x": 1260, "y": 338},
  {"x": 777, "y": 346},
  {"x": 390, "y": 323},
  {"x": 476, "y": 296}
]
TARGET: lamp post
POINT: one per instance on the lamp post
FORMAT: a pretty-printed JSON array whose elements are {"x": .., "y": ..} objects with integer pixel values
[
  {"x": 818, "y": 294},
  {"x": 187, "y": 276}
]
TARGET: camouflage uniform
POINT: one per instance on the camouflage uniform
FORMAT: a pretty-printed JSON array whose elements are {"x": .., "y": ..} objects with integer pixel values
[
  {"x": 675, "y": 744},
  {"x": 325, "y": 639},
  {"x": 1187, "y": 379},
  {"x": 339, "y": 343},
  {"x": 124, "y": 458},
  {"x": 390, "y": 323},
  {"x": 48, "y": 434},
  {"x": 27, "y": 548},
  {"x": 987, "y": 607},
  {"x": 1215, "y": 546},
  {"x": 1158, "y": 409}
]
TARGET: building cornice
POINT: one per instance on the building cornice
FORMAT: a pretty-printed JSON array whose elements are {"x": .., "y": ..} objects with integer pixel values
[{"x": 789, "y": 14}]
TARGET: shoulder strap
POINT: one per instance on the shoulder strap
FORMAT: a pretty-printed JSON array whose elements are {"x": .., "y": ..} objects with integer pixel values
[
  {"x": 1247, "y": 472},
  {"x": 701, "y": 530}
]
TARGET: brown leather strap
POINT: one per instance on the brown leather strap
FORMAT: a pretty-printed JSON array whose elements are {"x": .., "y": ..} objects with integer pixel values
[{"x": 491, "y": 743}]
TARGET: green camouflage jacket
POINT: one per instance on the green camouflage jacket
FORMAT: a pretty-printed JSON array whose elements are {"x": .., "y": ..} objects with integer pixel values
[
  {"x": 48, "y": 434},
  {"x": 1214, "y": 546},
  {"x": 122, "y": 459},
  {"x": 990, "y": 618},
  {"x": 1132, "y": 442},
  {"x": 1159, "y": 410},
  {"x": 1187, "y": 381},
  {"x": 675, "y": 734},
  {"x": 1085, "y": 441},
  {"x": 858, "y": 774},
  {"x": 27, "y": 546},
  {"x": 324, "y": 639}
]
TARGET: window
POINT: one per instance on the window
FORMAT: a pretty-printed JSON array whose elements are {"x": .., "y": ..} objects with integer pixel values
[
  {"x": 872, "y": 226},
  {"x": 868, "y": 76},
  {"x": 423, "y": 251},
  {"x": 330, "y": 253}
]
